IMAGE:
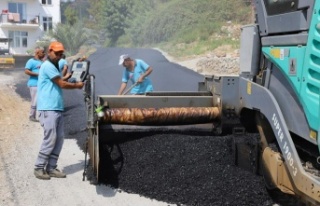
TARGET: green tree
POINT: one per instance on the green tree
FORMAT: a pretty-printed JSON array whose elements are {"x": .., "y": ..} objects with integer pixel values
[
  {"x": 71, "y": 14},
  {"x": 97, "y": 19},
  {"x": 72, "y": 36},
  {"x": 116, "y": 15},
  {"x": 141, "y": 11}
]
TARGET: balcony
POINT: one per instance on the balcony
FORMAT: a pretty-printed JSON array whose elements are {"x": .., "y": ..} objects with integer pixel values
[{"x": 14, "y": 20}]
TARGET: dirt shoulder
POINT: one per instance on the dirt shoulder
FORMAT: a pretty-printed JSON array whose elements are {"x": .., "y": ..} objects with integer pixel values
[{"x": 221, "y": 61}]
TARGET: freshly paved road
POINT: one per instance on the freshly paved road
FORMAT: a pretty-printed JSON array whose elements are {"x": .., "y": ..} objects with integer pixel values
[{"x": 166, "y": 76}]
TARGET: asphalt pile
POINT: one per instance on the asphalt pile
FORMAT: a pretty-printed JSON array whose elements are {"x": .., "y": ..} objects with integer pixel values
[{"x": 181, "y": 169}]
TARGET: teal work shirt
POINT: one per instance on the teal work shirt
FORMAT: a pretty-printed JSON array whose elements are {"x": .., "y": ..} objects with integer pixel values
[
  {"x": 139, "y": 69},
  {"x": 49, "y": 95},
  {"x": 33, "y": 65}
]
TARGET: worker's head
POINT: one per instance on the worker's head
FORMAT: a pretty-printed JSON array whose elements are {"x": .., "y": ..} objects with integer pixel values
[
  {"x": 39, "y": 53},
  {"x": 55, "y": 51},
  {"x": 124, "y": 60}
]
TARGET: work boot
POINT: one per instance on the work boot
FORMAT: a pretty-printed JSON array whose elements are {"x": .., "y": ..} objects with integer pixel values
[
  {"x": 56, "y": 173},
  {"x": 41, "y": 174},
  {"x": 33, "y": 119}
]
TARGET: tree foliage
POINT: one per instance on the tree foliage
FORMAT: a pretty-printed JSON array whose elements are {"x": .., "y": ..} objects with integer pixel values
[
  {"x": 96, "y": 12},
  {"x": 73, "y": 11},
  {"x": 140, "y": 13},
  {"x": 141, "y": 22},
  {"x": 180, "y": 18},
  {"x": 116, "y": 18},
  {"x": 110, "y": 18},
  {"x": 71, "y": 15},
  {"x": 72, "y": 36}
]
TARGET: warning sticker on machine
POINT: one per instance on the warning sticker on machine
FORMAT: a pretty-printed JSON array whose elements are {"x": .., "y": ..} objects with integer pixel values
[
  {"x": 280, "y": 53},
  {"x": 275, "y": 53}
]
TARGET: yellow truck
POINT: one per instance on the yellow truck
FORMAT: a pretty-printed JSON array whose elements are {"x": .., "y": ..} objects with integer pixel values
[{"x": 7, "y": 61}]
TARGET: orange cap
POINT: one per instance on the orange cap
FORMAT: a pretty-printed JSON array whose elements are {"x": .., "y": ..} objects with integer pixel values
[{"x": 56, "y": 46}]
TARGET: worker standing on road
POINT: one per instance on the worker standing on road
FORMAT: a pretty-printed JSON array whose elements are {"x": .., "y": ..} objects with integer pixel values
[
  {"x": 32, "y": 69},
  {"x": 50, "y": 106},
  {"x": 137, "y": 71}
]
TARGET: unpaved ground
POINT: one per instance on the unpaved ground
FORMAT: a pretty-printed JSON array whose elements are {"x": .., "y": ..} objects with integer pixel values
[
  {"x": 222, "y": 61},
  {"x": 19, "y": 143}
]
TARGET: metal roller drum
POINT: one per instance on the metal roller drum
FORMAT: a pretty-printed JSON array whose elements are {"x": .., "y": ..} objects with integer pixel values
[{"x": 161, "y": 116}]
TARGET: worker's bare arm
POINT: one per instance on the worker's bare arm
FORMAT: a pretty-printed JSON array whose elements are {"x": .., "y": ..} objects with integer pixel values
[
  {"x": 122, "y": 88},
  {"x": 30, "y": 73},
  {"x": 67, "y": 85},
  {"x": 147, "y": 73}
]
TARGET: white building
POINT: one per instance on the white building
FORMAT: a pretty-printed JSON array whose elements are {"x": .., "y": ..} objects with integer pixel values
[{"x": 26, "y": 21}]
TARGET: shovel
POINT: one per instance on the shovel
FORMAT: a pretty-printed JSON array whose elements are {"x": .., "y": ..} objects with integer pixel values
[{"x": 128, "y": 90}]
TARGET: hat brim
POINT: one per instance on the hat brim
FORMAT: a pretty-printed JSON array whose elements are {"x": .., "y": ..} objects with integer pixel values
[
  {"x": 57, "y": 48},
  {"x": 121, "y": 61}
]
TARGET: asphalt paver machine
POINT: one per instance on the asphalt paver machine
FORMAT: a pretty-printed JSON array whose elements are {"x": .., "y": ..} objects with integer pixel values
[{"x": 276, "y": 92}]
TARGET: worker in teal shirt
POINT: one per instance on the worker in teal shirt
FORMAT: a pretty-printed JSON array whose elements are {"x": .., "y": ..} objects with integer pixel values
[
  {"x": 51, "y": 106},
  {"x": 32, "y": 69},
  {"x": 137, "y": 71}
]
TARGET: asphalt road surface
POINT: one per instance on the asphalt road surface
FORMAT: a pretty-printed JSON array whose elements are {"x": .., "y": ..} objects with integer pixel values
[
  {"x": 165, "y": 76},
  {"x": 183, "y": 169}
]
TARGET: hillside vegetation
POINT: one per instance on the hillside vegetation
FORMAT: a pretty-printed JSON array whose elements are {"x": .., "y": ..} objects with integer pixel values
[
  {"x": 180, "y": 27},
  {"x": 188, "y": 27}
]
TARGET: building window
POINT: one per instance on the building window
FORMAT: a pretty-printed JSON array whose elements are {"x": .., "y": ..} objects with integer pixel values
[
  {"x": 19, "y": 39},
  {"x": 18, "y": 8},
  {"x": 48, "y": 2},
  {"x": 47, "y": 23}
]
